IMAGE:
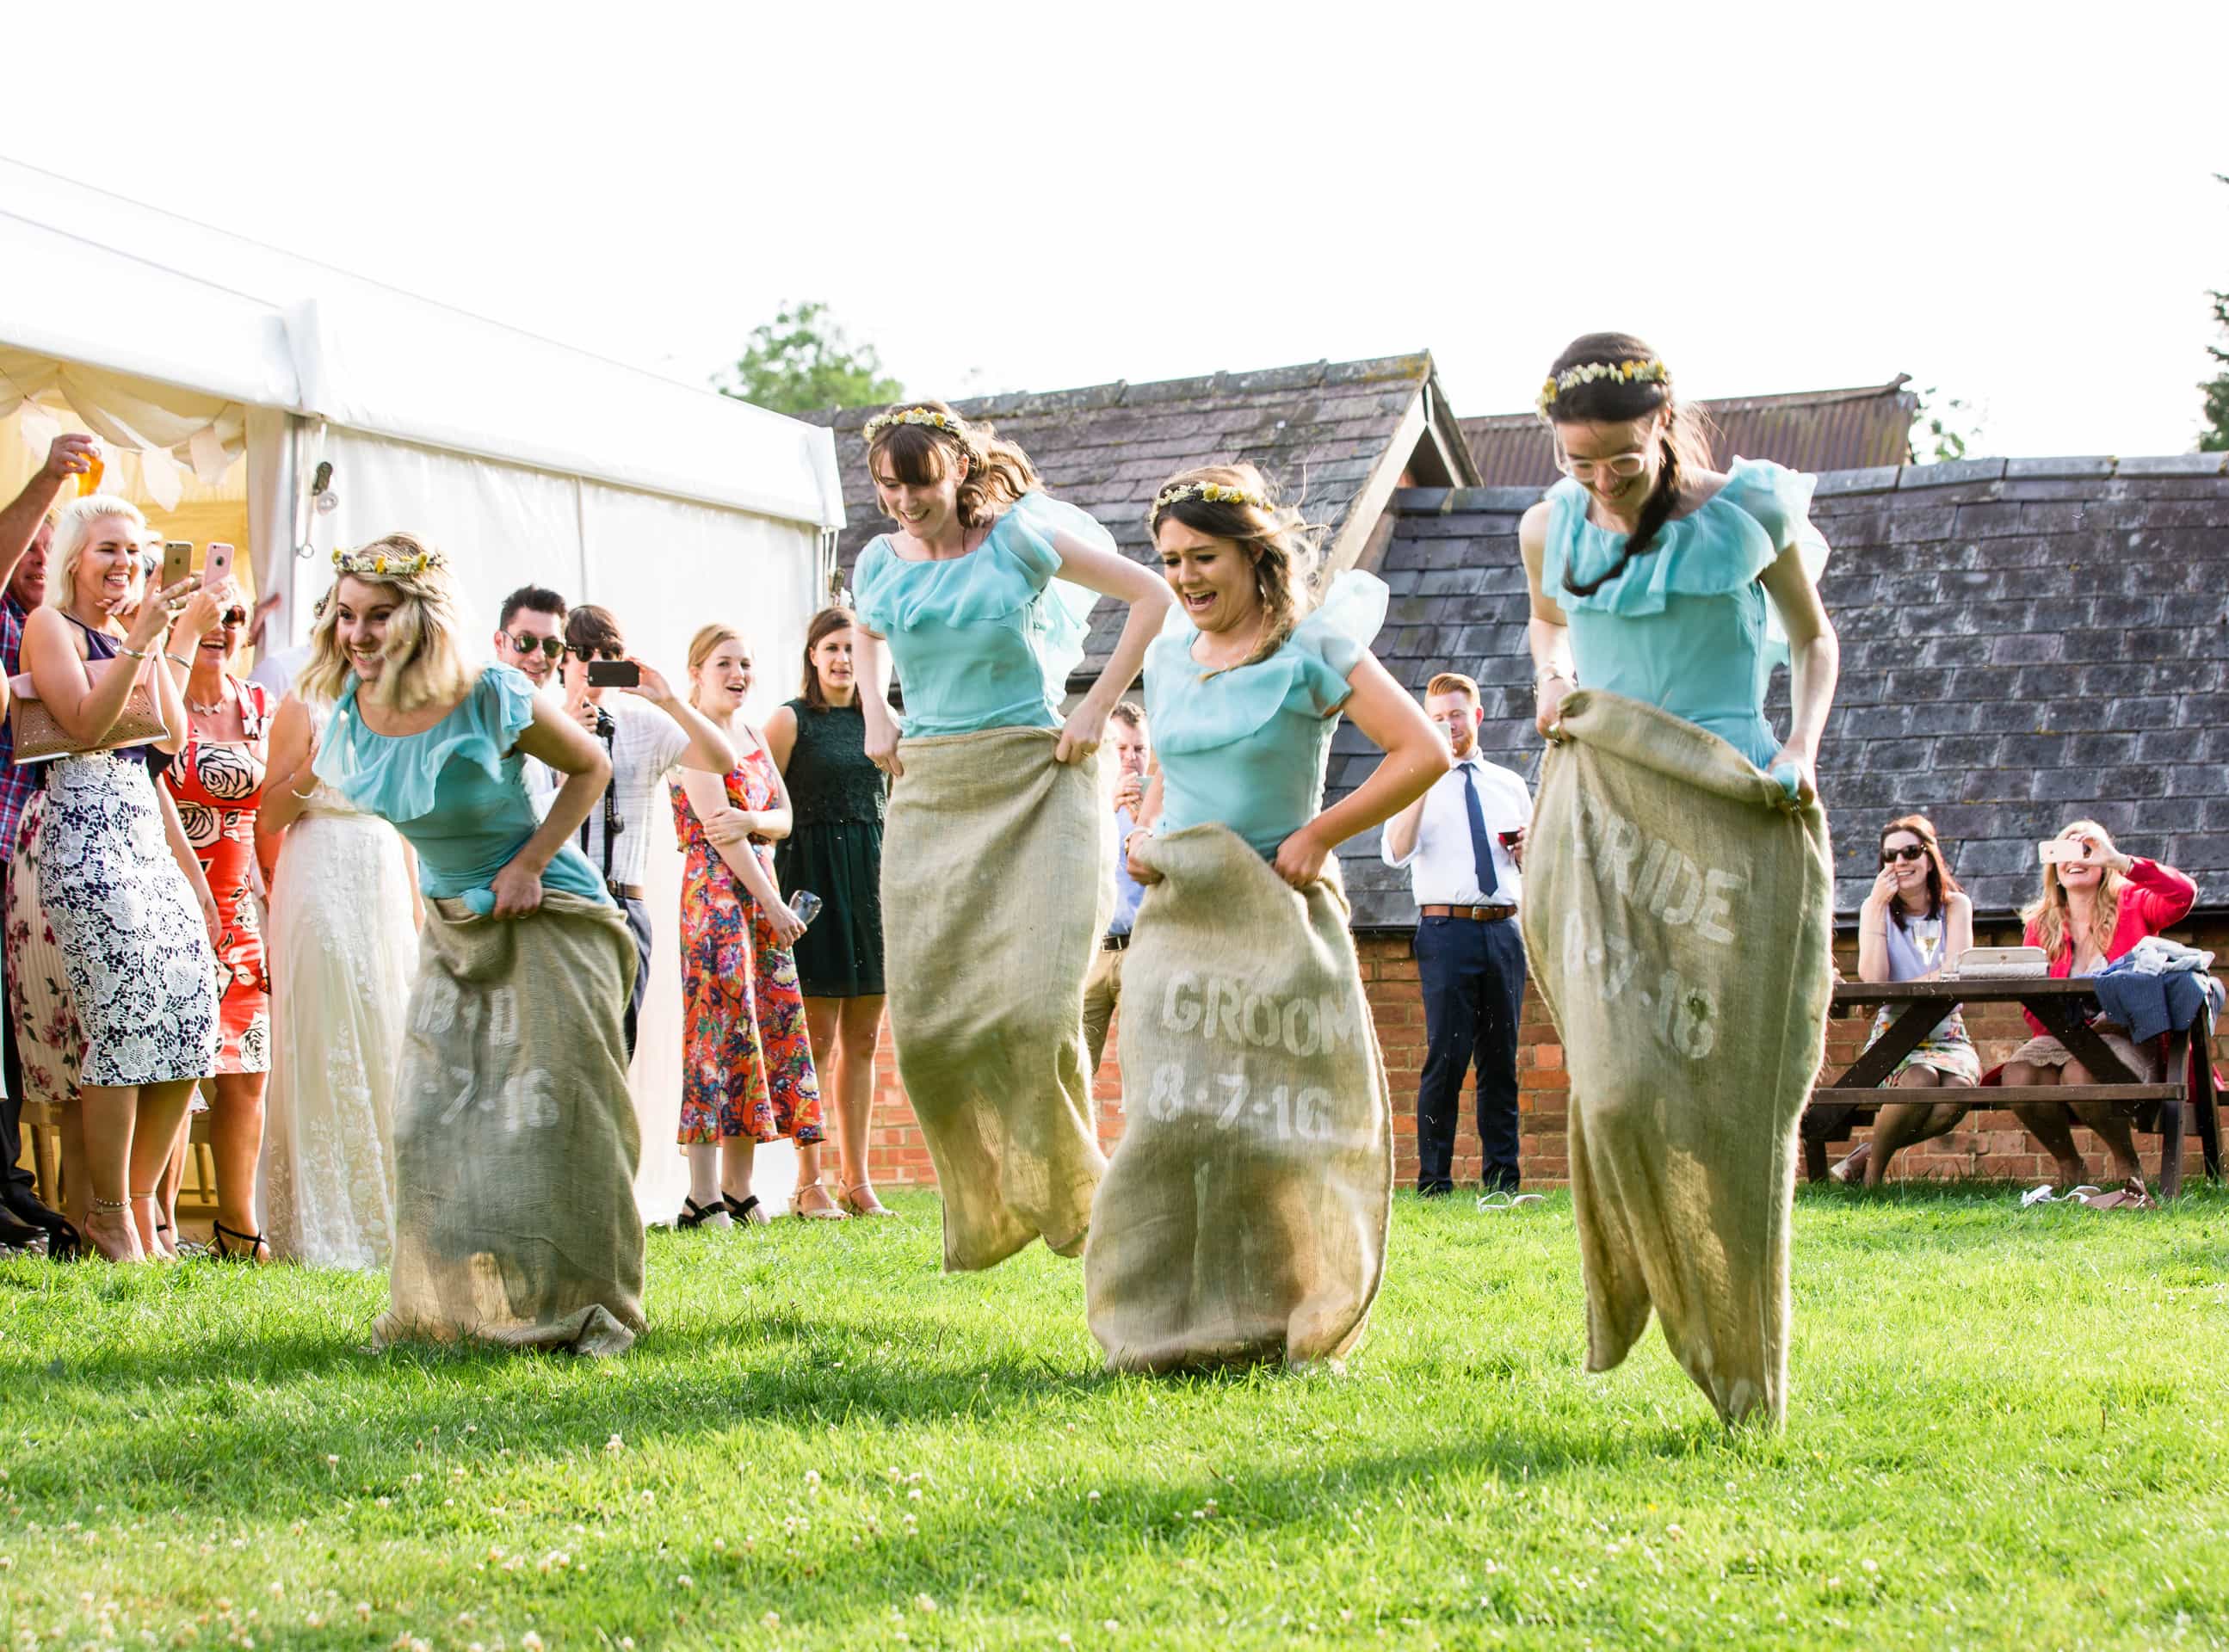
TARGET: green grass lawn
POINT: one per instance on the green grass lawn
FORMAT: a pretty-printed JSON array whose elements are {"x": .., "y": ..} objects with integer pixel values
[{"x": 2006, "y": 1429}]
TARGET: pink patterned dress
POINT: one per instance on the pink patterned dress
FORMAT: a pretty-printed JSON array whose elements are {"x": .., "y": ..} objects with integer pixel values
[{"x": 746, "y": 1061}]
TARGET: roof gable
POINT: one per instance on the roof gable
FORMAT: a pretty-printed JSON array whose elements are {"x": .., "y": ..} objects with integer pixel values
[{"x": 1325, "y": 431}]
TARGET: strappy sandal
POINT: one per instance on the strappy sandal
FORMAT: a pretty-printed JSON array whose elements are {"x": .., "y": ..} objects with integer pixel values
[
  {"x": 253, "y": 1243},
  {"x": 696, "y": 1215},
  {"x": 747, "y": 1211},
  {"x": 858, "y": 1198},
  {"x": 828, "y": 1213}
]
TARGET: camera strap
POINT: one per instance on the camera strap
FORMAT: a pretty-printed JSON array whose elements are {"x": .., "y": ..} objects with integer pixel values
[{"x": 606, "y": 728}]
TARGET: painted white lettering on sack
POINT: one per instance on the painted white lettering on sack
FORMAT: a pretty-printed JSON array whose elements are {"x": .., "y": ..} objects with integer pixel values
[
  {"x": 1669, "y": 887},
  {"x": 1226, "y": 1099},
  {"x": 1683, "y": 1014},
  {"x": 1222, "y": 1008}
]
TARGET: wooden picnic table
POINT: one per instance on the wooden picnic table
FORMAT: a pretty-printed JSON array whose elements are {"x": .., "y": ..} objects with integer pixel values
[{"x": 2186, "y": 1094}]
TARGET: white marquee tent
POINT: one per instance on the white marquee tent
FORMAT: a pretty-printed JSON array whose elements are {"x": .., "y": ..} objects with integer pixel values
[{"x": 188, "y": 349}]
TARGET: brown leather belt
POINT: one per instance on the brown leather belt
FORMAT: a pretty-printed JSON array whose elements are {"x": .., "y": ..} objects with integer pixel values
[
  {"x": 1477, "y": 914},
  {"x": 629, "y": 892},
  {"x": 1114, "y": 943}
]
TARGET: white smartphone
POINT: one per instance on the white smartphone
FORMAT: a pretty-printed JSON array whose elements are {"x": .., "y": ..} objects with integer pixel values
[
  {"x": 216, "y": 566},
  {"x": 2058, "y": 851}
]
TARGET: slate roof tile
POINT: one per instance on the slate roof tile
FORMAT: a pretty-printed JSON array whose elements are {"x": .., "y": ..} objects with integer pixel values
[
  {"x": 2023, "y": 642},
  {"x": 1319, "y": 429}
]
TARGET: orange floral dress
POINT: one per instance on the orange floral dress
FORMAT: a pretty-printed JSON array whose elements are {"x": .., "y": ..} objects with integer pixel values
[
  {"x": 217, "y": 785},
  {"x": 746, "y": 1060}
]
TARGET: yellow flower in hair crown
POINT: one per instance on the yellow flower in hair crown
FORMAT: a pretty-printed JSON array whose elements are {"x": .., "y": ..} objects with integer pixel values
[
  {"x": 376, "y": 564},
  {"x": 929, "y": 416},
  {"x": 1649, "y": 372},
  {"x": 1213, "y": 493}
]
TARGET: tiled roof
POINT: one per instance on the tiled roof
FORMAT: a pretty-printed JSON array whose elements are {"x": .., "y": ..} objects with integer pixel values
[
  {"x": 1804, "y": 429},
  {"x": 2025, "y": 642},
  {"x": 1324, "y": 431}
]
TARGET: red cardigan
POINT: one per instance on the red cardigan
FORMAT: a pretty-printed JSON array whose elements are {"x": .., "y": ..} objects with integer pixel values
[{"x": 2154, "y": 897}]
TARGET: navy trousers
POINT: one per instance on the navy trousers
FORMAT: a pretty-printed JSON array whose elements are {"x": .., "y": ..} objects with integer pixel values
[{"x": 1474, "y": 979}]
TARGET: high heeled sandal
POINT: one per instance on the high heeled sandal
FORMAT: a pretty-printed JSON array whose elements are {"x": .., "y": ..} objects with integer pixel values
[
  {"x": 831, "y": 1213},
  {"x": 848, "y": 1195},
  {"x": 219, "y": 1251}
]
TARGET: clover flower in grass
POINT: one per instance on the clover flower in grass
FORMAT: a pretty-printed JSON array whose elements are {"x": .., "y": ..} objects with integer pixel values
[{"x": 530, "y": 1642}]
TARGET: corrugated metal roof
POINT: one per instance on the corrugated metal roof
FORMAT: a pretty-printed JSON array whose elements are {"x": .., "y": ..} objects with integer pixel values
[{"x": 1805, "y": 430}]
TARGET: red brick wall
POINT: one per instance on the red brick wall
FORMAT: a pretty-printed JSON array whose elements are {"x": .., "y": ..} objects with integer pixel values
[{"x": 1990, "y": 1144}]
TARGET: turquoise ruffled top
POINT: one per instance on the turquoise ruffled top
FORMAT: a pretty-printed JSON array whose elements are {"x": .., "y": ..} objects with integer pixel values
[
  {"x": 455, "y": 790},
  {"x": 1246, "y": 748},
  {"x": 984, "y": 640},
  {"x": 1687, "y": 626}
]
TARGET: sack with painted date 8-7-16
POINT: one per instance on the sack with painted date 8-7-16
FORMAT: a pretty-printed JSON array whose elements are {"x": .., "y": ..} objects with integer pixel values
[{"x": 1244, "y": 1217}]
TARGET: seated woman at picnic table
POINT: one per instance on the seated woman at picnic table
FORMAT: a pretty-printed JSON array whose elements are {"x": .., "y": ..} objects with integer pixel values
[
  {"x": 1913, "y": 925},
  {"x": 2091, "y": 912}
]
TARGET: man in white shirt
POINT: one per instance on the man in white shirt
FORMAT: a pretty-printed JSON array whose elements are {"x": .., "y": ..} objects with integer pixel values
[
  {"x": 529, "y": 638},
  {"x": 647, "y": 729},
  {"x": 1464, "y": 843}
]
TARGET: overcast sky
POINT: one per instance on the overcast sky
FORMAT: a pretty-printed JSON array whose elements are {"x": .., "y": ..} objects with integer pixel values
[{"x": 2018, "y": 209}]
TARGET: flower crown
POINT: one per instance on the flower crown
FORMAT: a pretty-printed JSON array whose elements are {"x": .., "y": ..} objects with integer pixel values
[
  {"x": 378, "y": 564},
  {"x": 1213, "y": 493},
  {"x": 1649, "y": 372},
  {"x": 882, "y": 421}
]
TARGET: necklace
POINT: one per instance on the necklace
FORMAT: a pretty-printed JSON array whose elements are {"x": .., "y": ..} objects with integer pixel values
[{"x": 206, "y": 711}]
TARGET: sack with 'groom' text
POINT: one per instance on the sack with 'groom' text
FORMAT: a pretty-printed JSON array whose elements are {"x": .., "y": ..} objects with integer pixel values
[{"x": 1243, "y": 1217}]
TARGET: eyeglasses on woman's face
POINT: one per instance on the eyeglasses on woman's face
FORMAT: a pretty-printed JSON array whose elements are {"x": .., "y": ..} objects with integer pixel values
[
  {"x": 1908, "y": 852},
  {"x": 527, "y": 643},
  {"x": 1618, "y": 464}
]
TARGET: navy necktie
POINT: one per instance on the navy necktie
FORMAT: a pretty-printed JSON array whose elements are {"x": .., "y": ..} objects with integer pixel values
[{"x": 1482, "y": 851}]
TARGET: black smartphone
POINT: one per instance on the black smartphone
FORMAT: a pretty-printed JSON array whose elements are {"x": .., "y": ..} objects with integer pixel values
[
  {"x": 177, "y": 561},
  {"x": 615, "y": 674}
]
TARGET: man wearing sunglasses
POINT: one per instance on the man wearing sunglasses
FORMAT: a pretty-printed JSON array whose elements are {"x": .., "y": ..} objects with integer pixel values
[{"x": 530, "y": 636}]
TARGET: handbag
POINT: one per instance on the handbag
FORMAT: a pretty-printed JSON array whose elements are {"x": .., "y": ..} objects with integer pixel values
[
  {"x": 40, "y": 738},
  {"x": 2001, "y": 964}
]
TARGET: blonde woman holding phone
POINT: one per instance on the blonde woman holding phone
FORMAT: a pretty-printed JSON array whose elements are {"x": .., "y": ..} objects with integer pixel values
[{"x": 142, "y": 971}]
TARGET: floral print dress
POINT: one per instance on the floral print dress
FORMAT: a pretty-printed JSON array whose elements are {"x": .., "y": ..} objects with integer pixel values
[
  {"x": 747, "y": 1063},
  {"x": 217, "y": 785}
]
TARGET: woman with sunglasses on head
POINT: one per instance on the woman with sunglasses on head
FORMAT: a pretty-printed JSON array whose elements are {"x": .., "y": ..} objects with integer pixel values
[
  {"x": 1914, "y": 924},
  {"x": 2092, "y": 909},
  {"x": 216, "y": 784}
]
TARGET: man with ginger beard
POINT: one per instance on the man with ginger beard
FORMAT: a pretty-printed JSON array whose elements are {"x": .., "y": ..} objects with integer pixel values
[{"x": 26, "y": 528}]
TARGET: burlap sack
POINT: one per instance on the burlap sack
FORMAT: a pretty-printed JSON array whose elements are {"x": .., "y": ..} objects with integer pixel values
[
  {"x": 1243, "y": 1217},
  {"x": 515, "y": 1136},
  {"x": 997, "y": 880},
  {"x": 1677, "y": 911}
]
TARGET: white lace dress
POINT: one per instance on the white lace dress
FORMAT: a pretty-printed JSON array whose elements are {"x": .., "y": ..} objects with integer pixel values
[{"x": 344, "y": 953}]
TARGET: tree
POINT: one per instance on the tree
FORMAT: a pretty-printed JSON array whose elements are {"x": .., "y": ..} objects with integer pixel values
[
  {"x": 800, "y": 362},
  {"x": 1936, "y": 433},
  {"x": 2215, "y": 438}
]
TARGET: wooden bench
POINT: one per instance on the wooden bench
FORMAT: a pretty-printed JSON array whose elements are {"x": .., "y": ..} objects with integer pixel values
[{"x": 2186, "y": 1099}]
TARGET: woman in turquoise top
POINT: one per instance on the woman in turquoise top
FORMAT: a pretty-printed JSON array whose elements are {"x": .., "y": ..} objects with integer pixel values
[
  {"x": 995, "y": 880},
  {"x": 1243, "y": 1219},
  {"x": 515, "y": 1135},
  {"x": 1669, "y": 589},
  {"x": 1244, "y": 691},
  {"x": 983, "y": 594},
  {"x": 1656, "y": 577}
]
